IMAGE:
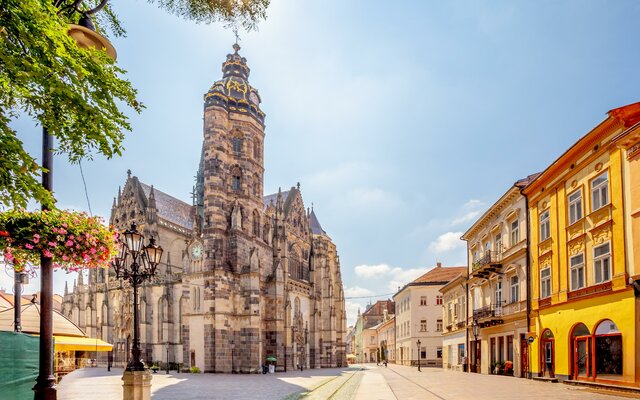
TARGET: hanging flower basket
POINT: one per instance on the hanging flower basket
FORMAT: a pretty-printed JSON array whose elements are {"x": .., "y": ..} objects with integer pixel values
[{"x": 74, "y": 240}]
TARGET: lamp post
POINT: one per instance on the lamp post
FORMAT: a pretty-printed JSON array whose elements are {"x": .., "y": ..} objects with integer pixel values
[
  {"x": 45, "y": 387},
  {"x": 136, "y": 263},
  {"x": 167, "y": 371},
  {"x": 474, "y": 329},
  {"x": 418, "y": 343}
]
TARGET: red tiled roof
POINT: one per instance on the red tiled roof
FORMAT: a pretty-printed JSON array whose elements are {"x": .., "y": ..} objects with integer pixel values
[{"x": 441, "y": 275}]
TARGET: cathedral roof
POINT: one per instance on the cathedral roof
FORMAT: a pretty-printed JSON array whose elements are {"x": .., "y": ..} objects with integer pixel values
[
  {"x": 169, "y": 208},
  {"x": 233, "y": 92},
  {"x": 273, "y": 198},
  {"x": 316, "y": 228}
]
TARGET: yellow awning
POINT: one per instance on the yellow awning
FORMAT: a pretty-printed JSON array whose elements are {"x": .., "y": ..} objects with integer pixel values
[{"x": 71, "y": 343}]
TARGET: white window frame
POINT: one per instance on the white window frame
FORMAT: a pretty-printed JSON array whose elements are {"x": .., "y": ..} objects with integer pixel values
[
  {"x": 545, "y": 225},
  {"x": 578, "y": 268},
  {"x": 515, "y": 288},
  {"x": 497, "y": 297},
  {"x": 423, "y": 325},
  {"x": 545, "y": 282},
  {"x": 498, "y": 243},
  {"x": 514, "y": 234},
  {"x": 575, "y": 206},
  {"x": 600, "y": 192},
  {"x": 599, "y": 261}
]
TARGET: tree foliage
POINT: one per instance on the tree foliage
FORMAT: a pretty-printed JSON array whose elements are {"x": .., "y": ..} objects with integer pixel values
[
  {"x": 77, "y": 94},
  {"x": 245, "y": 13}
]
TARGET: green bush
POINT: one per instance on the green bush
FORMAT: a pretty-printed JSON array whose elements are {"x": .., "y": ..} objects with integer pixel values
[{"x": 194, "y": 370}]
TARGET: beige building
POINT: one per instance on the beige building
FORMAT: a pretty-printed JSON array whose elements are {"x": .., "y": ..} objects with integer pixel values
[
  {"x": 386, "y": 332},
  {"x": 419, "y": 317},
  {"x": 454, "y": 317},
  {"x": 370, "y": 344},
  {"x": 497, "y": 247},
  {"x": 243, "y": 277}
]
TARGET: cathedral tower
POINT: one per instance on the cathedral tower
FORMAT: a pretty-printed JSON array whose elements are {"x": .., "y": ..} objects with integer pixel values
[{"x": 236, "y": 249}]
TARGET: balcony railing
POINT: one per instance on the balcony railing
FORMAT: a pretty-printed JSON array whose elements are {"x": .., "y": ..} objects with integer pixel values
[
  {"x": 489, "y": 311},
  {"x": 489, "y": 262}
]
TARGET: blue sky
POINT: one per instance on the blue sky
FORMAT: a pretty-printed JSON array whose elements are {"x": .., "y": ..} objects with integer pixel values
[{"x": 402, "y": 123}]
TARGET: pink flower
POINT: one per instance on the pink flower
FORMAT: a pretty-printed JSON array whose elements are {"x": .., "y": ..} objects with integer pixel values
[
  {"x": 53, "y": 244},
  {"x": 29, "y": 246},
  {"x": 93, "y": 250},
  {"x": 63, "y": 231},
  {"x": 47, "y": 253},
  {"x": 65, "y": 258},
  {"x": 69, "y": 243},
  {"x": 55, "y": 230},
  {"x": 36, "y": 238}
]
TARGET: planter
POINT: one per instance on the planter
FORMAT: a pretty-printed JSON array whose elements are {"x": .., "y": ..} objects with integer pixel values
[{"x": 73, "y": 240}]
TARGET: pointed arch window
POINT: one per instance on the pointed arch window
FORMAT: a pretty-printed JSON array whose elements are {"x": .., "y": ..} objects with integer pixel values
[
  {"x": 236, "y": 144},
  {"x": 256, "y": 223},
  {"x": 236, "y": 179}
]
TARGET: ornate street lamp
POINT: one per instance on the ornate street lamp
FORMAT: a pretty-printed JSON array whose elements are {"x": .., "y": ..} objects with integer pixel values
[
  {"x": 418, "y": 354},
  {"x": 135, "y": 264}
]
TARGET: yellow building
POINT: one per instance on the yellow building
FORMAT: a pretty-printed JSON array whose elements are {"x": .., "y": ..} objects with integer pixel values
[{"x": 583, "y": 309}]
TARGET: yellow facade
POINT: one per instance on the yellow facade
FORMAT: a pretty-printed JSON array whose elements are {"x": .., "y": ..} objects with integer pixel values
[{"x": 583, "y": 308}]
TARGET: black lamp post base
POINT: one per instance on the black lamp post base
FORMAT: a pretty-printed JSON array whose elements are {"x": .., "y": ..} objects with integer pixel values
[{"x": 45, "y": 389}]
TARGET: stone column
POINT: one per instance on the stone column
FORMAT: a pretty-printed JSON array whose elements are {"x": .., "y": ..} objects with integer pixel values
[{"x": 136, "y": 385}]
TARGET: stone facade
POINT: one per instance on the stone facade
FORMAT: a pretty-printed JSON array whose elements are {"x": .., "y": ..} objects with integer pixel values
[{"x": 243, "y": 277}]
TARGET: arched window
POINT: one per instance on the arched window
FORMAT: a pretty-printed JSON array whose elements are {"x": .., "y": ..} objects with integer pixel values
[
  {"x": 236, "y": 145},
  {"x": 297, "y": 266},
  {"x": 236, "y": 179},
  {"x": 608, "y": 349},
  {"x": 161, "y": 318},
  {"x": 256, "y": 223},
  {"x": 256, "y": 185}
]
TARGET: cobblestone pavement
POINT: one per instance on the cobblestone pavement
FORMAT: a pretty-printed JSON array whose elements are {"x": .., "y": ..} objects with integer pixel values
[
  {"x": 406, "y": 383},
  {"x": 361, "y": 382},
  {"x": 98, "y": 384}
]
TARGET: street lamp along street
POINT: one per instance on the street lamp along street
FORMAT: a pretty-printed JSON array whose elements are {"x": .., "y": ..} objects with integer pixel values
[
  {"x": 135, "y": 264},
  {"x": 86, "y": 37},
  {"x": 419, "y": 343}
]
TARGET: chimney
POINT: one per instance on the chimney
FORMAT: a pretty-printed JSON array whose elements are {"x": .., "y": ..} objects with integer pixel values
[
  {"x": 439, "y": 264},
  {"x": 385, "y": 314}
]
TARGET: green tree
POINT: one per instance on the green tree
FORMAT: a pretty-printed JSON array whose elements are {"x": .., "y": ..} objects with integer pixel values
[{"x": 78, "y": 94}]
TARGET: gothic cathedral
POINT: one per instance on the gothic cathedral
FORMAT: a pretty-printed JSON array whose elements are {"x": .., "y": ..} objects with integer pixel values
[{"x": 244, "y": 276}]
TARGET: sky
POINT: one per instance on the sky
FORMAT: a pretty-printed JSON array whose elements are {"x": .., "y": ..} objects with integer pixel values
[{"x": 402, "y": 121}]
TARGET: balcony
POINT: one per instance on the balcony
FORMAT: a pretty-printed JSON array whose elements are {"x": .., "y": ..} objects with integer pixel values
[
  {"x": 484, "y": 266},
  {"x": 488, "y": 315}
]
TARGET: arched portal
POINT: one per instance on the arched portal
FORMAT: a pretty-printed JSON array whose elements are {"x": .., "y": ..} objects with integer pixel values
[
  {"x": 547, "y": 354},
  {"x": 581, "y": 342}
]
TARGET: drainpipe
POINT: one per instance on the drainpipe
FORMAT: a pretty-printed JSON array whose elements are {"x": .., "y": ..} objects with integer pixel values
[
  {"x": 528, "y": 268},
  {"x": 466, "y": 313}
]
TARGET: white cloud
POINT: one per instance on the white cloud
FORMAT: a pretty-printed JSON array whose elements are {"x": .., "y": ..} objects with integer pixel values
[
  {"x": 357, "y": 291},
  {"x": 372, "y": 271},
  {"x": 447, "y": 242},
  {"x": 407, "y": 275},
  {"x": 471, "y": 210}
]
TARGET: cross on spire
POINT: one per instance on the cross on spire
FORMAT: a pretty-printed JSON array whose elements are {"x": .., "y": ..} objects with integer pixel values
[{"x": 235, "y": 32}]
